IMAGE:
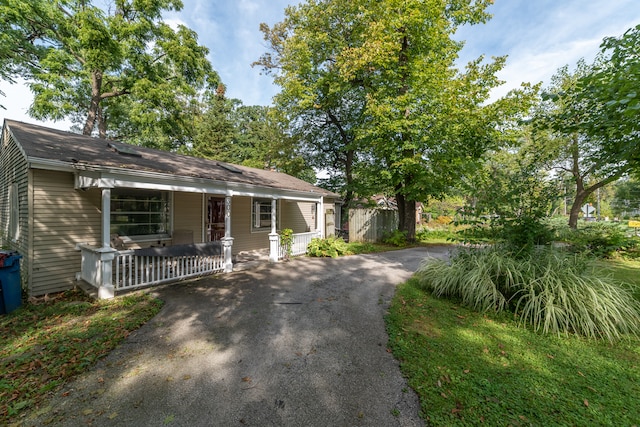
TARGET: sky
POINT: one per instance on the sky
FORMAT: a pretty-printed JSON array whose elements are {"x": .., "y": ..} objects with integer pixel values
[{"x": 539, "y": 37}]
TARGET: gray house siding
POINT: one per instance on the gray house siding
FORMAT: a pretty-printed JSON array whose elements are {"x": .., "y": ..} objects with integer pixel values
[
  {"x": 62, "y": 218},
  {"x": 14, "y": 174}
]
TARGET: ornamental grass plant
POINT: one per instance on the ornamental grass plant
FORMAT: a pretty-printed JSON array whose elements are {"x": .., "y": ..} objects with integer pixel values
[{"x": 551, "y": 290}]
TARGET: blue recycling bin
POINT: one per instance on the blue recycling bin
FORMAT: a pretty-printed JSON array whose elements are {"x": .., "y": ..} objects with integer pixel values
[{"x": 10, "y": 285}]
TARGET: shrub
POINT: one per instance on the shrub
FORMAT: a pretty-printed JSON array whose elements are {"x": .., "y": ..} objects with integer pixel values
[
  {"x": 550, "y": 290},
  {"x": 526, "y": 232},
  {"x": 286, "y": 241},
  {"x": 329, "y": 247},
  {"x": 443, "y": 220},
  {"x": 396, "y": 238},
  {"x": 601, "y": 239}
]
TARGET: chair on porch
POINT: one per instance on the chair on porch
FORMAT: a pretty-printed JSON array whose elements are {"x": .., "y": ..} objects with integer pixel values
[{"x": 117, "y": 243}]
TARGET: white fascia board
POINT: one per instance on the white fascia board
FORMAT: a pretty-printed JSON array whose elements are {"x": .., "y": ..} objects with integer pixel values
[
  {"x": 95, "y": 178},
  {"x": 48, "y": 164}
]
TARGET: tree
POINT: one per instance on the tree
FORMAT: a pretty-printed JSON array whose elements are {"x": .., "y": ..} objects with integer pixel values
[
  {"x": 626, "y": 201},
  {"x": 80, "y": 59},
  {"x": 511, "y": 194},
  {"x": 379, "y": 83},
  {"x": 321, "y": 108},
  {"x": 215, "y": 130},
  {"x": 587, "y": 123},
  {"x": 249, "y": 135},
  {"x": 613, "y": 90}
]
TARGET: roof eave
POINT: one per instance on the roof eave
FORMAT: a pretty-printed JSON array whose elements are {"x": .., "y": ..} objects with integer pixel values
[{"x": 92, "y": 176}]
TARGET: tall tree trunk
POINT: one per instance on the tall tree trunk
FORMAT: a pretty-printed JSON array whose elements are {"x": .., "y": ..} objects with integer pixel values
[
  {"x": 406, "y": 216},
  {"x": 574, "y": 213},
  {"x": 580, "y": 191},
  {"x": 102, "y": 123},
  {"x": 406, "y": 208},
  {"x": 92, "y": 114}
]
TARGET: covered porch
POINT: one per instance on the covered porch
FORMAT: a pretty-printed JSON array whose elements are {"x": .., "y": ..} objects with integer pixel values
[{"x": 109, "y": 268}]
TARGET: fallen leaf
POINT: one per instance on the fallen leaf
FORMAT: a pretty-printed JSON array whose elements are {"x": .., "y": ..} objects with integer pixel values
[
  {"x": 87, "y": 411},
  {"x": 439, "y": 383},
  {"x": 460, "y": 317},
  {"x": 186, "y": 377},
  {"x": 550, "y": 356},
  {"x": 485, "y": 350},
  {"x": 586, "y": 403},
  {"x": 581, "y": 374},
  {"x": 246, "y": 379},
  {"x": 443, "y": 395},
  {"x": 466, "y": 371},
  {"x": 113, "y": 415}
]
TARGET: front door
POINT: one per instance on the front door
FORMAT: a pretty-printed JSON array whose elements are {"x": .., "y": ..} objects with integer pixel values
[{"x": 215, "y": 219}]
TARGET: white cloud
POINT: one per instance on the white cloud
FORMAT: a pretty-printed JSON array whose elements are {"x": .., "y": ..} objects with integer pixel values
[{"x": 542, "y": 36}]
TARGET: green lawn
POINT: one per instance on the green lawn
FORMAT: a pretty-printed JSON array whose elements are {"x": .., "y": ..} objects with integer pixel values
[
  {"x": 625, "y": 271},
  {"x": 43, "y": 345},
  {"x": 470, "y": 368}
]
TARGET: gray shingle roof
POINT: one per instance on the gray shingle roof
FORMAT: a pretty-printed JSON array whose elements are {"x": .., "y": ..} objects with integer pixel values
[{"x": 52, "y": 144}]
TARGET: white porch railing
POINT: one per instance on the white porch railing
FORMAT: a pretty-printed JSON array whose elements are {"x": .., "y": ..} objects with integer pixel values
[
  {"x": 299, "y": 245},
  {"x": 132, "y": 271}
]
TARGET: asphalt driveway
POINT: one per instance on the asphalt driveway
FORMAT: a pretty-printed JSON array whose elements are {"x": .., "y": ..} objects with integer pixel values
[{"x": 300, "y": 343}]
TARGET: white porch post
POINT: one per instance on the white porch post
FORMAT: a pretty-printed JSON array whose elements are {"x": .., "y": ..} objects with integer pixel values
[
  {"x": 273, "y": 236},
  {"x": 320, "y": 218},
  {"x": 227, "y": 241},
  {"x": 106, "y": 217},
  {"x": 107, "y": 253}
]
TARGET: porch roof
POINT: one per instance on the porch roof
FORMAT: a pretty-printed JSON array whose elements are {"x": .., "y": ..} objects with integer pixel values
[{"x": 55, "y": 149}]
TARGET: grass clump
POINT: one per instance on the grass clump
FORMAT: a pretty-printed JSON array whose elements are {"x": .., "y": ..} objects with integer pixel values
[
  {"x": 471, "y": 368},
  {"x": 44, "y": 345},
  {"x": 553, "y": 291}
]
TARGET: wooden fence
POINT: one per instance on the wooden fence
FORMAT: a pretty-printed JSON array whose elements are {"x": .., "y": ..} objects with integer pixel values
[{"x": 370, "y": 225}]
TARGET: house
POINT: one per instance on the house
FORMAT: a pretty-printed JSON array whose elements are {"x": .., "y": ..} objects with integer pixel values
[{"x": 119, "y": 216}]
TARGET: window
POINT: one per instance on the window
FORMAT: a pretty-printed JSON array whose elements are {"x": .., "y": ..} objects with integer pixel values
[
  {"x": 14, "y": 212},
  {"x": 261, "y": 215},
  {"x": 139, "y": 212}
]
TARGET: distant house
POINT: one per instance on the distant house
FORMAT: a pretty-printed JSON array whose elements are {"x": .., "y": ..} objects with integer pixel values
[{"x": 119, "y": 216}]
